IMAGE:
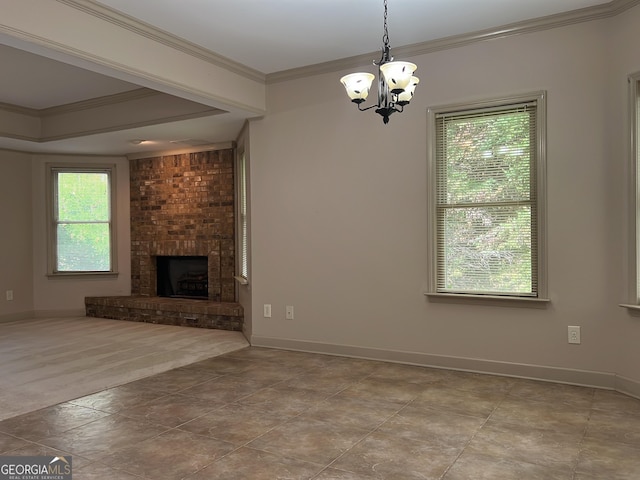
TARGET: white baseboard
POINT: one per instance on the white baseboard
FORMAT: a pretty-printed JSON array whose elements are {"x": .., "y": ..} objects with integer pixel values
[
  {"x": 12, "y": 317},
  {"x": 72, "y": 312},
  {"x": 534, "y": 372},
  {"x": 628, "y": 386}
]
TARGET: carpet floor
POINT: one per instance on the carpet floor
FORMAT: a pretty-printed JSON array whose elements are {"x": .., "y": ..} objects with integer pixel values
[{"x": 45, "y": 361}]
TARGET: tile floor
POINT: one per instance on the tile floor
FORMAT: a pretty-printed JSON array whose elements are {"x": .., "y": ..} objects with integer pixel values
[{"x": 269, "y": 414}]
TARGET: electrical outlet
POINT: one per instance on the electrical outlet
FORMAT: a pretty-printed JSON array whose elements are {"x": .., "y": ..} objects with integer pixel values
[
  {"x": 289, "y": 312},
  {"x": 9, "y": 295},
  {"x": 267, "y": 310},
  {"x": 574, "y": 334}
]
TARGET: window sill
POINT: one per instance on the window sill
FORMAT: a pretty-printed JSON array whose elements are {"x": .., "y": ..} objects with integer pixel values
[
  {"x": 632, "y": 309},
  {"x": 241, "y": 280},
  {"x": 82, "y": 274},
  {"x": 491, "y": 300}
]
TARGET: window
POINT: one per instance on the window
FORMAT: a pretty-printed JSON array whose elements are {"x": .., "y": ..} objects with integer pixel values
[
  {"x": 81, "y": 227},
  {"x": 487, "y": 172},
  {"x": 243, "y": 236}
]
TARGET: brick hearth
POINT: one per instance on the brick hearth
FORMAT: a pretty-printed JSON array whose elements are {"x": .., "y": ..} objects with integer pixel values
[{"x": 168, "y": 311}]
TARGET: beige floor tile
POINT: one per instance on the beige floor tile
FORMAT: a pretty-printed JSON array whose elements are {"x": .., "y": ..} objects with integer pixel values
[
  {"x": 411, "y": 374},
  {"x": 270, "y": 373},
  {"x": 118, "y": 398},
  {"x": 104, "y": 436},
  {"x": 616, "y": 403},
  {"x": 363, "y": 414},
  {"x": 8, "y": 443},
  {"x": 36, "y": 450},
  {"x": 432, "y": 426},
  {"x": 283, "y": 400},
  {"x": 335, "y": 474},
  {"x": 222, "y": 365},
  {"x": 561, "y": 417},
  {"x": 175, "y": 380},
  {"x": 550, "y": 448},
  {"x": 326, "y": 382},
  {"x": 454, "y": 400},
  {"x": 310, "y": 440},
  {"x": 555, "y": 393},
  {"x": 395, "y": 458},
  {"x": 479, "y": 383},
  {"x": 262, "y": 413},
  {"x": 247, "y": 463},
  {"x": 604, "y": 459},
  {"x": 98, "y": 471},
  {"x": 170, "y": 456},
  {"x": 475, "y": 466},
  {"x": 614, "y": 427},
  {"x": 357, "y": 367},
  {"x": 49, "y": 421},
  {"x": 388, "y": 390},
  {"x": 225, "y": 389},
  {"x": 235, "y": 423},
  {"x": 171, "y": 410}
]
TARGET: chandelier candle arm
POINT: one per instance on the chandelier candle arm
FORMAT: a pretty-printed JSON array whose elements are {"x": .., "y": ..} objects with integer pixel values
[{"x": 396, "y": 83}]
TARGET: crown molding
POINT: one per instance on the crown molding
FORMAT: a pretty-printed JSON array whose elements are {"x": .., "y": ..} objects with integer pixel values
[
  {"x": 588, "y": 14},
  {"x": 81, "y": 105},
  {"x": 115, "y": 128},
  {"x": 9, "y": 107},
  {"x": 157, "y": 35},
  {"x": 98, "y": 102},
  {"x": 127, "y": 126},
  {"x": 182, "y": 151},
  {"x": 49, "y": 114}
]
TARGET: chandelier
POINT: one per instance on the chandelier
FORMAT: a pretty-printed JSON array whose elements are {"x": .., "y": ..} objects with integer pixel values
[{"x": 396, "y": 83}]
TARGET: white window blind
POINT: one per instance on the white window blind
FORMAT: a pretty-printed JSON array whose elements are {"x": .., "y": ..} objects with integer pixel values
[
  {"x": 242, "y": 217},
  {"x": 486, "y": 201}
]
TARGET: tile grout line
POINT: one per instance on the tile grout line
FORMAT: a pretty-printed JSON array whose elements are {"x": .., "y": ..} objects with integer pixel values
[{"x": 476, "y": 433}]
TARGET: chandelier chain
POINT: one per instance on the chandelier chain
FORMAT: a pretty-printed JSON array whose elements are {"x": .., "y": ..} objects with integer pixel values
[{"x": 385, "y": 37}]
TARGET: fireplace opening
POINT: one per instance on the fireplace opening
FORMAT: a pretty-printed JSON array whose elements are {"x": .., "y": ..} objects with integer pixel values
[{"x": 182, "y": 277}]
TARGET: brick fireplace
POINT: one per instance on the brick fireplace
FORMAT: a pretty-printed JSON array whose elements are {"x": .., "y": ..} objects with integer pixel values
[{"x": 182, "y": 205}]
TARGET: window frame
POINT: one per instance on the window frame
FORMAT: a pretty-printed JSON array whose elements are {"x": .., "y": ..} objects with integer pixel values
[
  {"x": 52, "y": 170},
  {"x": 432, "y": 292},
  {"x": 634, "y": 194}
]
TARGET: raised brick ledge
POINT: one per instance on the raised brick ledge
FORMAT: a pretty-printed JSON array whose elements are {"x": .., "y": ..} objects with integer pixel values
[{"x": 168, "y": 311}]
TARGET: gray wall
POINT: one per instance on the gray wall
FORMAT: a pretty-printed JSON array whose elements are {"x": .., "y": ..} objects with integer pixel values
[
  {"x": 16, "y": 261},
  {"x": 23, "y": 245},
  {"x": 339, "y": 225}
]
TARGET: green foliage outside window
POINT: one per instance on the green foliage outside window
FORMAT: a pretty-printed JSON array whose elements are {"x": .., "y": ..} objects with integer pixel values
[
  {"x": 486, "y": 203},
  {"x": 83, "y": 226}
]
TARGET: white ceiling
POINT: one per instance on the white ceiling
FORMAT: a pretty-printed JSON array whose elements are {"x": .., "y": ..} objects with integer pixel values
[
  {"x": 275, "y": 35},
  {"x": 266, "y": 35}
]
